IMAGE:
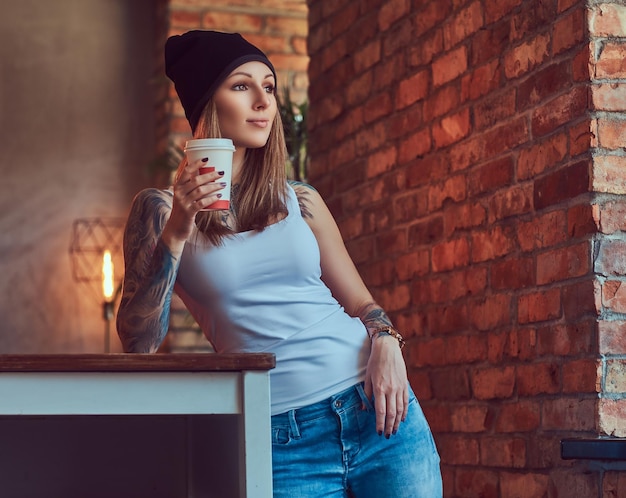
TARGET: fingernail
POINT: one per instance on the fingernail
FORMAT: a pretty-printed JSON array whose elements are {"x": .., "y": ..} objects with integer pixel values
[
  {"x": 387, "y": 436},
  {"x": 380, "y": 433},
  {"x": 205, "y": 159},
  {"x": 395, "y": 432},
  {"x": 219, "y": 195},
  {"x": 223, "y": 184},
  {"x": 221, "y": 173}
]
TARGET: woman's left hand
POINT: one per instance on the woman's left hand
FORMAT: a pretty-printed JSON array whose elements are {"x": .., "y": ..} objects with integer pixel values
[{"x": 386, "y": 379}]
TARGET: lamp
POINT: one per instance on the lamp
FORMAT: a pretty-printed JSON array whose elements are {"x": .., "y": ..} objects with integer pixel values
[{"x": 107, "y": 292}]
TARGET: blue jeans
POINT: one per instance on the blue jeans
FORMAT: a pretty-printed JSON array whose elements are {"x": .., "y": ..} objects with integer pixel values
[{"x": 332, "y": 449}]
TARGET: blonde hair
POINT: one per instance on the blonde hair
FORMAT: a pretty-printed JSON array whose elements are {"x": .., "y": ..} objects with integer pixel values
[{"x": 260, "y": 199}]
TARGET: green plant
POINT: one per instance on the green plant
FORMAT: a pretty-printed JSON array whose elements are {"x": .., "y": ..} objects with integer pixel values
[{"x": 294, "y": 118}]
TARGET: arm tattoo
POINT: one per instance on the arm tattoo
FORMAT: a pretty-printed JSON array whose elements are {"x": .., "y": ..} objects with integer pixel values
[
  {"x": 302, "y": 193},
  {"x": 373, "y": 317},
  {"x": 150, "y": 274}
]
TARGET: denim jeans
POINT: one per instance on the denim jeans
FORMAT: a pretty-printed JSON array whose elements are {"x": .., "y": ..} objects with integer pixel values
[{"x": 332, "y": 449}]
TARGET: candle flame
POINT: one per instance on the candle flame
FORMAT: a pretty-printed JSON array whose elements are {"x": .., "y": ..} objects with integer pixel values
[{"x": 107, "y": 275}]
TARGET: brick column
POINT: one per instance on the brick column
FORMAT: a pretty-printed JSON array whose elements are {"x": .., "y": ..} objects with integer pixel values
[{"x": 472, "y": 153}]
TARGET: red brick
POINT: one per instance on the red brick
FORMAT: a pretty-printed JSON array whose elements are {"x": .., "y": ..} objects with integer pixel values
[
  {"x": 559, "y": 111},
  {"x": 610, "y": 259},
  {"x": 245, "y": 22},
  {"x": 448, "y": 319},
  {"x": 390, "y": 12},
  {"x": 492, "y": 312},
  {"x": 563, "y": 263},
  {"x": 460, "y": 216},
  {"x": 394, "y": 298},
  {"x": 412, "y": 89},
  {"x": 543, "y": 231},
  {"x": 367, "y": 56},
  {"x": 492, "y": 244},
  {"x": 450, "y": 254},
  {"x": 538, "y": 378},
  {"x": 469, "y": 418},
  {"x": 504, "y": 138},
  {"x": 491, "y": 176},
  {"x": 476, "y": 482},
  {"x": 579, "y": 299},
  {"x": 581, "y": 221},
  {"x": 541, "y": 156},
  {"x": 543, "y": 84},
  {"x": 415, "y": 145},
  {"x": 449, "y": 66},
  {"x": 462, "y": 25},
  {"x": 429, "y": 47},
  {"x": 481, "y": 81},
  {"x": 431, "y": 16},
  {"x": 569, "y": 30},
  {"x": 425, "y": 170},
  {"x": 524, "y": 485},
  {"x": 532, "y": 17},
  {"x": 450, "y": 384},
  {"x": 425, "y": 232},
  {"x": 564, "y": 184},
  {"x": 503, "y": 452},
  {"x": 580, "y": 136},
  {"x": 464, "y": 349},
  {"x": 612, "y": 61},
  {"x": 493, "y": 383},
  {"x": 521, "y": 416},
  {"x": 575, "y": 413},
  {"x": 513, "y": 201},
  {"x": 580, "y": 376},
  {"x": 441, "y": 102},
  {"x": 452, "y": 128},
  {"x": 494, "y": 109},
  {"x": 566, "y": 339},
  {"x": 458, "y": 450},
  {"x": 185, "y": 19},
  {"x": 409, "y": 266},
  {"x": 525, "y": 57},
  {"x": 497, "y": 9},
  {"x": 513, "y": 273},
  {"x": 614, "y": 484},
  {"x": 427, "y": 353},
  {"x": 454, "y": 188},
  {"x": 539, "y": 306}
]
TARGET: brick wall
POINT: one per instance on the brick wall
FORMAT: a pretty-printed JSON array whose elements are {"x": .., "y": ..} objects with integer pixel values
[{"x": 472, "y": 152}]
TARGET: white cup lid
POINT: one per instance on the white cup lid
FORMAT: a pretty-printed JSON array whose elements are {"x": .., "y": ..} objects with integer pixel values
[{"x": 209, "y": 143}]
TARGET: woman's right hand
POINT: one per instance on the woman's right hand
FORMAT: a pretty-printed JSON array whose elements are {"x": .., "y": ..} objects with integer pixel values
[{"x": 192, "y": 193}]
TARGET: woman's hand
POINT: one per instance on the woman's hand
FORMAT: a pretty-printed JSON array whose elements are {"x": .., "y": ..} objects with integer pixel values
[
  {"x": 192, "y": 192},
  {"x": 386, "y": 379}
]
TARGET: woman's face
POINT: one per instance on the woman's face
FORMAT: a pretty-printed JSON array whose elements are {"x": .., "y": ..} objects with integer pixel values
[{"x": 246, "y": 105}]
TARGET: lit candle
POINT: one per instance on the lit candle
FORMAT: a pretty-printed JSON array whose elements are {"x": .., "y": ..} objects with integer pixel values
[{"x": 107, "y": 276}]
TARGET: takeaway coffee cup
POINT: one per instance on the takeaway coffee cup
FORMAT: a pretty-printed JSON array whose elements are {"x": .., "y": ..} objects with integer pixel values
[{"x": 219, "y": 151}]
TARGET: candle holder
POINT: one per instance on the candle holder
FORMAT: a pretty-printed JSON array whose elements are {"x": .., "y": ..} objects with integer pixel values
[{"x": 91, "y": 239}]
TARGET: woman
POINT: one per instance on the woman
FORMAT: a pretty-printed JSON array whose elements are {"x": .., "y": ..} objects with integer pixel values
[{"x": 272, "y": 274}]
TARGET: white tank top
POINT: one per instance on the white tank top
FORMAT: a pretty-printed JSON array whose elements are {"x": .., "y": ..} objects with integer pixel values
[{"x": 262, "y": 292}]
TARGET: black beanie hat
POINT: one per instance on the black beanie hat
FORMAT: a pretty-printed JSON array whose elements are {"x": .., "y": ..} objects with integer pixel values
[{"x": 198, "y": 61}]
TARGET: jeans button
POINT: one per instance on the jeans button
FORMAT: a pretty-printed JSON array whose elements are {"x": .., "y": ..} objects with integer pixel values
[{"x": 338, "y": 403}]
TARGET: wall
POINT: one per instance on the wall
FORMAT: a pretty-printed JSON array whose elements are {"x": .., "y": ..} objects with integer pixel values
[
  {"x": 77, "y": 134},
  {"x": 472, "y": 152}
]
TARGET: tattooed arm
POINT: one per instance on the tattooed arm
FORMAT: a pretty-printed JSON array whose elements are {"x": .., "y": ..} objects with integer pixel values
[
  {"x": 150, "y": 273},
  {"x": 386, "y": 376}
]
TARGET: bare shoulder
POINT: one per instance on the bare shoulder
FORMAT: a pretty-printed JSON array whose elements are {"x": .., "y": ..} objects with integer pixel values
[{"x": 308, "y": 198}]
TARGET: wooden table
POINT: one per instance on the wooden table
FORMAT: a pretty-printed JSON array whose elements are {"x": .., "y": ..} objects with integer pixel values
[{"x": 172, "y": 398}]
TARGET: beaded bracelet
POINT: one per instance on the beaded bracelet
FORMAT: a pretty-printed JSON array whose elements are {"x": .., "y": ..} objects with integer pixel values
[{"x": 388, "y": 331}]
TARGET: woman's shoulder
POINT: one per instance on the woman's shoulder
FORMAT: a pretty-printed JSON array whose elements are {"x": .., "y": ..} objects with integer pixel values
[{"x": 153, "y": 196}]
